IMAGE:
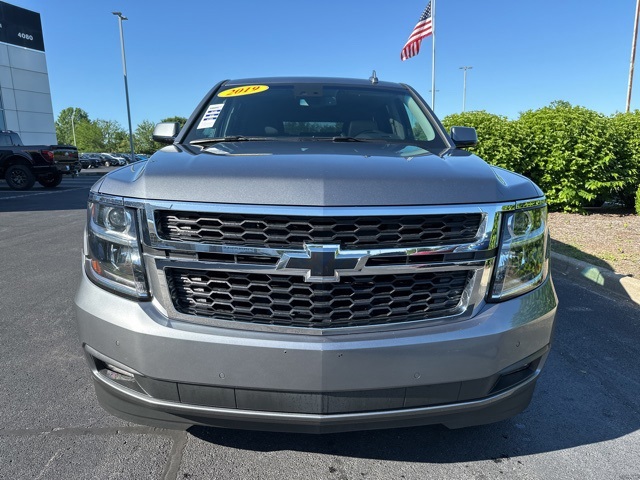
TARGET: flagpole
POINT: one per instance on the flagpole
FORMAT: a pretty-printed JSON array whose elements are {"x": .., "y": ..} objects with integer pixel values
[
  {"x": 633, "y": 56},
  {"x": 433, "y": 55}
]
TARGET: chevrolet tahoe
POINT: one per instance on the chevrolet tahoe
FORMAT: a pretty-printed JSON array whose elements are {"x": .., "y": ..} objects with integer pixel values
[{"x": 315, "y": 255}]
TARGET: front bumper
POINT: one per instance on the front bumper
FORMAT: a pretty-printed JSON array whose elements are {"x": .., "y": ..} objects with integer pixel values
[{"x": 468, "y": 372}]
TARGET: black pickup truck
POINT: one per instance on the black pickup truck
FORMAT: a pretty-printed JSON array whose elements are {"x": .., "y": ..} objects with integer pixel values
[{"x": 22, "y": 165}]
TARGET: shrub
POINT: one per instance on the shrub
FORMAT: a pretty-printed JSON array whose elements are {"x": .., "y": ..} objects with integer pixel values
[
  {"x": 638, "y": 201},
  {"x": 499, "y": 140},
  {"x": 570, "y": 152},
  {"x": 626, "y": 129}
]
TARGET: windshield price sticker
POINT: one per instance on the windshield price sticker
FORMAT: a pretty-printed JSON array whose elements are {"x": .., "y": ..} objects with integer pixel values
[
  {"x": 211, "y": 115},
  {"x": 247, "y": 90}
]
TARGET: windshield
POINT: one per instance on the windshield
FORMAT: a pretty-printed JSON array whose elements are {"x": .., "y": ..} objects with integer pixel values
[{"x": 306, "y": 111}]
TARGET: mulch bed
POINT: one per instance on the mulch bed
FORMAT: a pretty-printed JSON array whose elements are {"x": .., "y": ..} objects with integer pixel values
[{"x": 608, "y": 240}]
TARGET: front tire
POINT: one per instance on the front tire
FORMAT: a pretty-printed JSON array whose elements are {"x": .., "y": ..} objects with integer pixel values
[
  {"x": 51, "y": 181},
  {"x": 19, "y": 177}
]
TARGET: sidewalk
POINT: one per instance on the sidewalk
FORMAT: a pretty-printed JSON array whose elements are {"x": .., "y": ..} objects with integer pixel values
[{"x": 598, "y": 278}]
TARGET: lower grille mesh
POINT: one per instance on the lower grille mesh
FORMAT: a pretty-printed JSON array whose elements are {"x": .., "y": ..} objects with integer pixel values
[{"x": 289, "y": 301}]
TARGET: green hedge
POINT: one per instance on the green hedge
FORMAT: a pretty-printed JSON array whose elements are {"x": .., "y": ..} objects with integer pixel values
[
  {"x": 626, "y": 127},
  {"x": 577, "y": 156},
  {"x": 499, "y": 140}
]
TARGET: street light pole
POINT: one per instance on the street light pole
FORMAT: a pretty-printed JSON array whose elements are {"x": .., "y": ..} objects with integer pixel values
[
  {"x": 633, "y": 56},
  {"x": 73, "y": 127},
  {"x": 126, "y": 85},
  {"x": 464, "y": 86}
]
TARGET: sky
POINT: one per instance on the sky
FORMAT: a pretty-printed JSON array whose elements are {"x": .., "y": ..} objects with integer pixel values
[{"x": 524, "y": 54}]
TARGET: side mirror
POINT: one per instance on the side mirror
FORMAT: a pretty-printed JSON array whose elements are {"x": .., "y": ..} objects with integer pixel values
[
  {"x": 464, "y": 136},
  {"x": 166, "y": 132}
]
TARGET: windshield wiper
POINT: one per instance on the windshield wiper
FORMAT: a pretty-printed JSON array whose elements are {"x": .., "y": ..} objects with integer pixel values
[
  {"x": 231, "y": 138},
  {"x": 347, "y": 139},
  {"x": 332, "y": 139}
]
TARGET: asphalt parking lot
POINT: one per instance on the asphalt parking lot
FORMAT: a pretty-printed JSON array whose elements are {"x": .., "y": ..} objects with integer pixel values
[{"x": 583, "y": 422}]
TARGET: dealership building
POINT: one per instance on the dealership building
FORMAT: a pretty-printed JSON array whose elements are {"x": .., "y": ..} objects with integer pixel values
[{"x": 25, "y": 96}]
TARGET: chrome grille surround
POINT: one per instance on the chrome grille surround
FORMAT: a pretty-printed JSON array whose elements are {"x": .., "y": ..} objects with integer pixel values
[{"x": 476, "y": 258}]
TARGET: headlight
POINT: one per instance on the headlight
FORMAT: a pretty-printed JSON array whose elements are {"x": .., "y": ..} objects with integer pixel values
[
  {"x": 523, "y": 257},
  {"x": 112, "y": 251}
]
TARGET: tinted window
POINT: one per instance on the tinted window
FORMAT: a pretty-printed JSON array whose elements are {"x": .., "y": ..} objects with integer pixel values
[{"x": 15, "y": 139}]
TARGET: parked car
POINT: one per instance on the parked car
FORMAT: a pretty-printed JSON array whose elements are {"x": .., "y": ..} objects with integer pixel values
[
  {"x": 111, "y": 159},
  {"x": 315, "y": 255},
  {"x": 99, "y": 158},
  {"x": 96, "y": 158},
  {"x": 126, "y": 156},
  {"x": 22, "y": 165},
  {"x": 129, "y": 159},
  {"x": 88, "y": 161}
]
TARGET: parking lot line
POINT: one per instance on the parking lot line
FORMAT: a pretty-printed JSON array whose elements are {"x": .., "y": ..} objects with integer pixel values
[{"x": 42, "y": 193}]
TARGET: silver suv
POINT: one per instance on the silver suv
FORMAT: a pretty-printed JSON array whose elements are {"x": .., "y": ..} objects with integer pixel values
[{"x": 316, "y": 255}]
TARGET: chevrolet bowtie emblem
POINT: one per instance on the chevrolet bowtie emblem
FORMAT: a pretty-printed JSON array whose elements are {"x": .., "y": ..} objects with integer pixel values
[{"x": 322, "y": 263}]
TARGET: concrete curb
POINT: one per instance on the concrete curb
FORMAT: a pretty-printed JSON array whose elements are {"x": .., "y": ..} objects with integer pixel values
[{"x": 597, "y": 277}]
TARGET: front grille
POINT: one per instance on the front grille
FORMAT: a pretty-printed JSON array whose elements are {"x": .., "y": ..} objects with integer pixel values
[
  {"x": 289, "y": 301},
  {"x": 279, "y": 231}
]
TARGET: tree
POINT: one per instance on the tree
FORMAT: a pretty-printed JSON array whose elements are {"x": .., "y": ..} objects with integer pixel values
[
  {"x": 143, "y": 138},
  {"x": 176, "y": 119},
  {"x": 64, "y": 125},
  {"x": 114, "y": 137},
  {"x": 89, "y": 137}
]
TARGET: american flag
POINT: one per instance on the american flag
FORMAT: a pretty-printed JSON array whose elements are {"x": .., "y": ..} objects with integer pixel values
[{"x": 422, "y": 30}]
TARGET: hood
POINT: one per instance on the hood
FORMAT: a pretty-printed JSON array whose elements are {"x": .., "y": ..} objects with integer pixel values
[{"x": 317, "y": 173}]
